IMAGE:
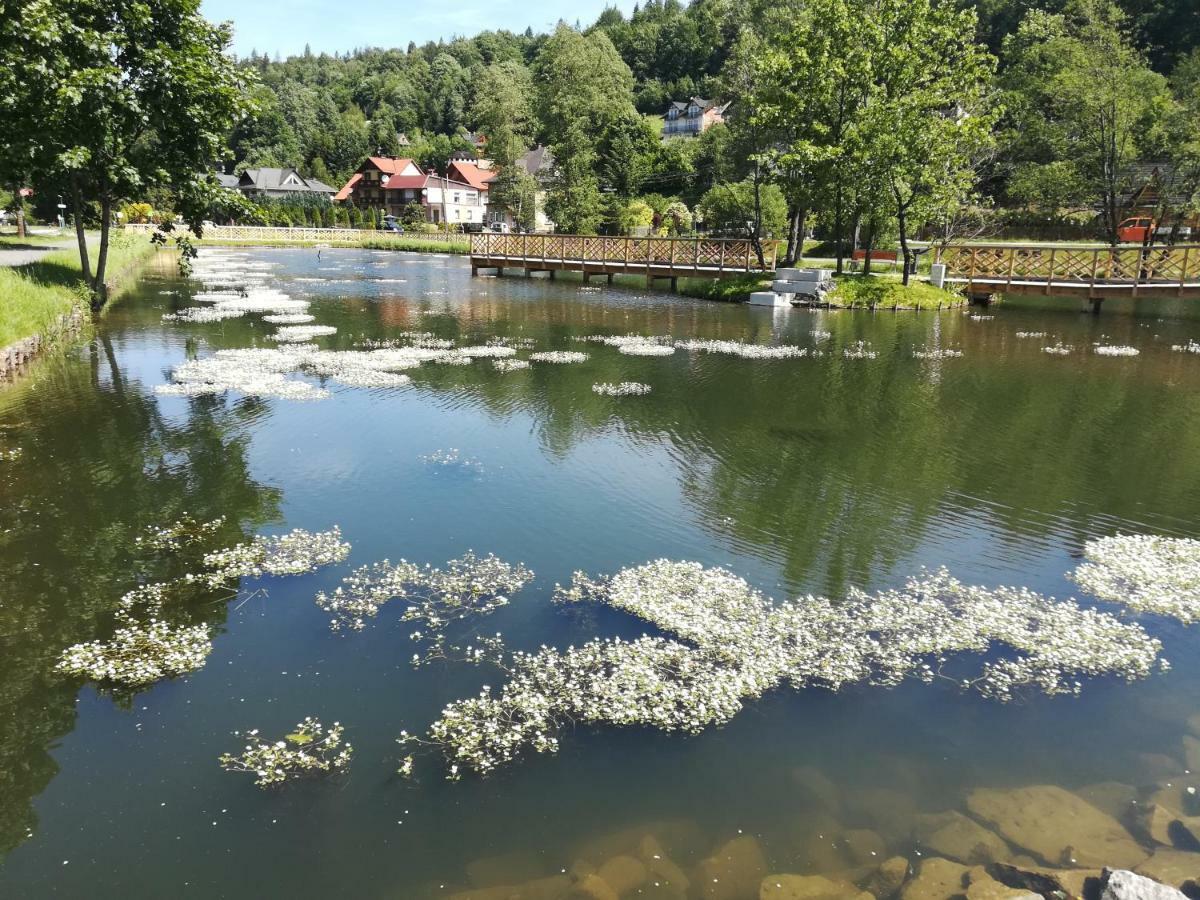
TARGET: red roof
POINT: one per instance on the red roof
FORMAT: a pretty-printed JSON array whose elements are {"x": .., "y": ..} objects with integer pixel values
[
  {"x": 344, "y": 193},
  {"x": 405, "y": 182},
  {"x": 389, "y": 166},
  {"x": 471, "y": 173}
]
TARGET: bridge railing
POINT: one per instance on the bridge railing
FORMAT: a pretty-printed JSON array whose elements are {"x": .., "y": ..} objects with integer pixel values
[
  {"x": 1008, "y": 264},
  {"x": 691, "y": 254}
]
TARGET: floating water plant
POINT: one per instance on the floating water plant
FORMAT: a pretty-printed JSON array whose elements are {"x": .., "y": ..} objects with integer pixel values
[
  {"x": 559, "y": 356},
  {"x": 139, "y": 654},
  {"x": 1059, "y": 349},
  {"x": 734, "y": 645},
  {"x": 289, "y": 319},
  {"x": 510, "y": 365},
  {"x": 203, "y": 314},
  {"x": 298, "y": 334},
  {"x": 452, "y": 458},
  {"x": 1116, "y": 350},
  {"x": 1144, "y": 572},
  {"x": 744, "y": 350},
  {"x": 624, "y": 389},
  {"x": 294, "y": 553},
  {"x": 308, "y": 751},
  {"x": 1031, "y": 334},
  {"x": 936, "y": 353},
  {"x": 859, "y": 350},
  {"x": 1190, "y": 347},
  {"x": 468, "y": 587},
  {"x": 976, "y": 317},
  {"x": 183, "y": 532}
]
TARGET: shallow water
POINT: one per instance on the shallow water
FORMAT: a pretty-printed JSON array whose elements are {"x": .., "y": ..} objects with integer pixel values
[{"x": 802, "y": 475}]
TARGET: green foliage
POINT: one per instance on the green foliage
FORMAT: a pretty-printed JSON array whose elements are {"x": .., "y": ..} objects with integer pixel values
[
  {"x": 866, "y": 291},
  {"x": 635, "y": 214},
  {"x": 728, "y": 210}
]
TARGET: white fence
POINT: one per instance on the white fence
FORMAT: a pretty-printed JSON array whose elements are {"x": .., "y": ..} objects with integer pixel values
[{"x": 309, "y": 235}]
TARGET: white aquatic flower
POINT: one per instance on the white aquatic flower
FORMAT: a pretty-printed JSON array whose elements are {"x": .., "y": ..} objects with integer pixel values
[
  {"x": 1031, "y": 334},
  {"x": 859, "y": 350},
  {"x": 1144, "y": 572},
  {"x": 978, "y": 317},
  {"x": 203, "y": 314},
  {"x": 1116, "y": 350},
  {"x": 735, "y": 644},
  {"x": 296, "y": 334},
  {"x": 289, "y": 319},
  {"x": 624, "y": 389},
  {"x": 1059, "y": 349},
  {"x": 936, "y": 353},
  {"x": 295, "y": 553},
  {"x": 744, "y": 350},
  {"x": 559, "y": 356},
  {"x": 370, "y": 378},
  {"x": 139, "y": 654},
  {"x": 1190, "y": 347},
  {"x": 309, "y": 750},
  {"x": 510, "y": 365}
]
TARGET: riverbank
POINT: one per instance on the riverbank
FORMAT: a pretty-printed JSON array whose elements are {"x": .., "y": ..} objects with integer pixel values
[
  {"x": 413, "y": 244},
  {"x": 45, "y": 301},
  {"x": 851, "y": 292}
]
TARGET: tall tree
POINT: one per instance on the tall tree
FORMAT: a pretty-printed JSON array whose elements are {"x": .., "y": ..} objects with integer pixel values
[
  {"x": 117, "y": 98},
  {"x": 503, "y": 112}
]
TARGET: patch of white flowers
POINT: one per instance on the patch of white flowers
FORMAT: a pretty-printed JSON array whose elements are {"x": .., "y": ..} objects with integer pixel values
[
  {"x": 371, "y": 378},
  {"x": 203, "y": 314},
  {"x": 1059, "y": 349},
  {"x": 452, "y": 458},
  {"x": 309, "y": 750},
  {"x": 1031, "y": 334},
  {"x": 299, "y": 334},
  {"x": 510, "y": 365},
  {"x": 734, "y": 644},
  {"x": 183, "y": 532},
  {"x": 140, "y": 653},
  {"x": 289, "y": 319},
  {"x": 294, "y": 553},
  {"x": 468, "y": 587},
  {"x": 744, "y": 350},
  {"x": 1116, "y": 350},
  {"x": 976, "y": 317},
  {"x": 1190, "y": 347},
  {"x": 624, "y": 389},
  {"x": 559, "y": 356},
  {"x": 936, "y": 353},
  {"x": 859, "y": 350},
  {"x": 1144, "y": 572}
]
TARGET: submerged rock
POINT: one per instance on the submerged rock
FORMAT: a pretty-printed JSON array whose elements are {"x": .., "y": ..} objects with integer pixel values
[
  {"x": 1120, "y": 884},
  {"x": 553, "y": 888},
  {"x": 735, "y": 871},
  {"x": 592, "y": 887},
  {"x": 505, "y": 868},
  {"x": 953, "y": 835},
  {"x": 861, "y": 846},
  {"x": 1191, "y": 752},
  {"x": 1174, "y": 867},
  {"x": 887, "y": 879},
  {"x": 1048, "y": 882},
  {"x": 681, "y": 838},
  {"x": 936, "y": 879},
  {"x": 664, "y": 878},
  {"x": 1112, "y": 797},
  {"x": 623, "y": 873},
  {"x": 982, "y": 886},
  {"x": 817, "y": 790},
  {"x": 808, "y": 887},
  {"x": 1056, "y": 826}
]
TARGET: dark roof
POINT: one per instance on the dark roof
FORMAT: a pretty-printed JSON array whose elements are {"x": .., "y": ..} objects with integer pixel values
[
  {"x": 267, "y": 178},
  {"x": 705, "y": 105},
  {"x": 227, "y": 181},
  {"x": 1153, "y": 177},
  {"x": 538, "y": 161}
]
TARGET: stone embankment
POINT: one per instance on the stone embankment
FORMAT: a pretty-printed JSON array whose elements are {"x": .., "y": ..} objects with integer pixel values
[
  {"x": 1104, "y": 841},
  {"x": 16, "y": 356}
]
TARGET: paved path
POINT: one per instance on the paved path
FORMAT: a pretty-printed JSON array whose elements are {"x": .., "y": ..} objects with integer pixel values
[{"x": 21, "y": 254}]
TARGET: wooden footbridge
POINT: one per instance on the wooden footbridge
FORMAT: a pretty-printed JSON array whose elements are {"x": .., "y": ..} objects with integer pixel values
[
  {"x": 1090, "y": 273},
  {"x": 652, "y": 257}
]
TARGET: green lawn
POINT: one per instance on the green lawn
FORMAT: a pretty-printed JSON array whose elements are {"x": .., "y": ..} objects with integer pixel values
[
  {"x": 869, "y": 292},
  {"x": 34, "y": 296}
]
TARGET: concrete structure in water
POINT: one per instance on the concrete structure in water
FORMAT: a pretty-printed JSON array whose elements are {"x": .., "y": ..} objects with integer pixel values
[{"x": 793, "y": 287}]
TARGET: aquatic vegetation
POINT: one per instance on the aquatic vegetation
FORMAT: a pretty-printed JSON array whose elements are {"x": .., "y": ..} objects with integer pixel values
[
  {"x": 296, "y": 334},
  {"x": 1031, "y": 334},
  {"x": 203, "y": 314},
  {"x": 818, "y": 335},
  {"x": 735, "y": 644},
  {"x": 559, "y": 356},
  {"x": 744, "y": 350},
  {"x": 645, "y": 349},
  {"x": 634, "y": 344},
  {"x": 1058, "y": 349},
  {"x": 295, "y": 553},
  {"x": 517, "y": 343},
  {"x": 936, "y": 353},
  {"x": 217, "y": 374},
  {"x": 289, "y": 319},
  {"x": 859, "y": 350},
  {"x": 1144, "y": 572},
  {"x": 183, "y": 532},
  {"x": 467, "y": 587},
  {"x": 139, "y": 654},
  {"x": 624, "y": 389},
  {"x": 1115, "y": 350},
  {"x": 452, "y": 459},
  {"x": 510, "y": 365},
  {"x": 369, "y": 378},
  {"x": 309, "y": 750},
  {"x": 487, "y": 351},
  {"x": 10, "y": 454},
  {"x": 977, "y": 317},
  {"x": 1190, "y": 347}
]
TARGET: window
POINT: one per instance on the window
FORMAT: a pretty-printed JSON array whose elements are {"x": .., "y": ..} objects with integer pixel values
[
  {"x": 693, "y": 110},
  {"x": 673, "y": 113},
  {"x": 457, "y": 197}
]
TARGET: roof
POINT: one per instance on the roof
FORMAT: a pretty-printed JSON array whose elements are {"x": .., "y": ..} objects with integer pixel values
[
  {"x": 1153, "y": 178},
  {"x": 705, "y": 105},
  {"x": 390, "y": 165},
  {"x": 227, "y": 181},
  {"x": 405, "y": 182},
  {"x": 267, "y": 178},
  {"x": 344, "y": 193},
  {"x": 470, "y": 173},
  {"x": 537, "y": 161}
]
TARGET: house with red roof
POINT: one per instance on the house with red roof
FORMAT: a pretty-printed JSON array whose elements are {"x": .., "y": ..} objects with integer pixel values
[{"x": 391, "y": 185}]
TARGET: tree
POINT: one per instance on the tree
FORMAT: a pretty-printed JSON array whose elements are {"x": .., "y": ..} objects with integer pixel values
[
  {"x": 634, "y": 215},
  {"x": 503, "y": 111},
  {"x": 127, "y": 97},
  {"x": 729, "y": 209}
]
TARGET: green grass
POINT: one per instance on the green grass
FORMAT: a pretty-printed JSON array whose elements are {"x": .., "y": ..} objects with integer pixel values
[
  {"x": 735, "y": 289},
  {"x": 33, "y": 297},
  {"x": 868, "y": 292},
  {"x": 414, "y": 244}
]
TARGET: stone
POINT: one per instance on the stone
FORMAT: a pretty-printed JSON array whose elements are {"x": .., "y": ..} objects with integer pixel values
[
  {"x": 887, "y": 879},
  {"x": 982, "y": 886},
  {"x": 623, "y": 873},
  {"x": 818, "y": 848},
  {"x": 662, "y": 873},
  {"x": 592, "y": 887},
  {"x": 1121, "y": 884},
  {"x": 552, "y": 888},
  {"x": 734, "y": 871},
  {"x": 936, "y": 879},
  {"x": 816, "y": 790},
  {"x": 1156, "y": 822},
  {"x": 506, "y": 868},
  {"x": 1180, "y": 795},
  {"x": 861, "y": 846},
  {"x": 804, "y": 274},
  {"x": 770, "y": 298},
  {"x": 1173, "y": 867},
  {"x": 1193, "y": 724},
  {"x": 885, "y": 809},
  {"x": 1056, "y": 826},
  {"x": 808, "y": 887},
  {"x": 681, "y": 838},
  {"x": 1112, "y": 797},
  {"x": 953, "y": 835},
  {"x": 1155, "y": 766}
]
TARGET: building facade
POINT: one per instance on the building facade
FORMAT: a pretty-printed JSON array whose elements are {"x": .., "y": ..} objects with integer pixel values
[{"x": 692, "y": 117}]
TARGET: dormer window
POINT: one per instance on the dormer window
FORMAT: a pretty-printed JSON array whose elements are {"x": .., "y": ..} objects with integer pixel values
[
  {"x": 673, "y": 114},
  {"x": 693, "y": 110}
]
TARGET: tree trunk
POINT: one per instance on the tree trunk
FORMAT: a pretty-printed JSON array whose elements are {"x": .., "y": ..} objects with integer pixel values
[
  {"x": 100, "y": 289},
  {"x": 838, "y": 224},
  {"x": 789, "y": 258},
  {"x": 902, "y": 222},
  {"x": 21, "y": 217},
  {"x": 803, "y": 229},
  {"x": 756, "y": 238},
  {"x": 869, "y": 246},
  {"x": 85, "y": 265}
]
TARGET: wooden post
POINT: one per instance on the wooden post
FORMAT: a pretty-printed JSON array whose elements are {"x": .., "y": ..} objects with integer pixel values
[
  {"x": 1012, "y": 265},
  {"x": 1050, "y": 277},
  {"x": 1183, "y": 272},
  {"x": 695, "y": 254},
  {"x": 1095, "y": 266},
  {"x": 626, "y": 251},
  {"x": 721, "y": 262},
  {"x": 610, "y": 277}
]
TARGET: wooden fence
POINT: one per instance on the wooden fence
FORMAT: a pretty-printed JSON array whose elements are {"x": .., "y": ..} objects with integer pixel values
[
  {"x": 655, "y": 256},
  {"x": 1094, "y": 271}
]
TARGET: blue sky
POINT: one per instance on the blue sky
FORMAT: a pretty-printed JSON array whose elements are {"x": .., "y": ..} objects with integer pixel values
[{"x": 340, "y": 26}]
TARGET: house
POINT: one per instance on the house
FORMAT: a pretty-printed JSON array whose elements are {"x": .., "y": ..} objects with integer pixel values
[
  {"x": 230, "y": 182},
  {"x": 1153, "y": 188},
  {"x": 476, "y": 173},
  {"x": 538, "y": 163},
  {"x": 692, "y": 117},
  {"x": 274, "y": 183},
  {"x": 390, "y": 185}
]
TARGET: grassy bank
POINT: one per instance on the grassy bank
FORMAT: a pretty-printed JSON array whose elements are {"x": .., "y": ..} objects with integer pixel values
[
  {"x": 33, "y": 297},
  {"x": 869, "y": 292},
  {"x": 412, "y": 244}
]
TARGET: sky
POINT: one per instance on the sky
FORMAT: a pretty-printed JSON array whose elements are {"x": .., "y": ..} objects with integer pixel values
[{"x": 329, "y": 26}]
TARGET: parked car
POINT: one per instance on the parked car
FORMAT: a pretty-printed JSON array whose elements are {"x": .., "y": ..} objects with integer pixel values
[
  {"x": 390, "y": 224},
  {"x": 498, "y": 227},
  {"x": 1138, "y": 228}
]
